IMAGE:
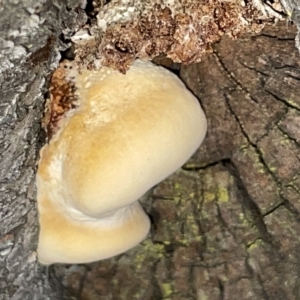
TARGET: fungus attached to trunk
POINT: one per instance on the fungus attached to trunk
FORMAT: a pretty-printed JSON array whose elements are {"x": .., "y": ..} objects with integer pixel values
[{"x": 128, "y": 133}]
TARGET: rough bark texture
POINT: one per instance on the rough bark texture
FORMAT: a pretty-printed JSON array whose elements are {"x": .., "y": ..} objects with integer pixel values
[
  {"x": 226, "y": 226},
  {"x": 29, "y": 46}
]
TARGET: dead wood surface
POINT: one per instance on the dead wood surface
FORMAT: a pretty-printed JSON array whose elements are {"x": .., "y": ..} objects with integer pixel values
[{"x": 227, "y": 225}]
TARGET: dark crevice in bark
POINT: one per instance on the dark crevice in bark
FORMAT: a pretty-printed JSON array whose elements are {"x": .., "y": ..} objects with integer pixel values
[
  {"x": 249, "y": 204},
  {"x": 289, "y": 105}
]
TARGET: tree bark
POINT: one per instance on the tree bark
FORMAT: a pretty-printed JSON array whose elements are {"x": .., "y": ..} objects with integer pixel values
[
  {"x": 226, "y": 226},
  {"x": 29, "y": 45}
]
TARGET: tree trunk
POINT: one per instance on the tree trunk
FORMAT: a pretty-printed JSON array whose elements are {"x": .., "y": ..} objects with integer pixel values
[
  {"x": 226, "y": 226},
  {"x": 29, "y": 47}
]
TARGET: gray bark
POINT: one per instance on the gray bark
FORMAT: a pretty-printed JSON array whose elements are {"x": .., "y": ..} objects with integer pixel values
[{"x": 29, "y": 44}]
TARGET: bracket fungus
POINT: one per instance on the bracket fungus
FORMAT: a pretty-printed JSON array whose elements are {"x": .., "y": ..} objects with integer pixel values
[{"x": 128, "y": 133}]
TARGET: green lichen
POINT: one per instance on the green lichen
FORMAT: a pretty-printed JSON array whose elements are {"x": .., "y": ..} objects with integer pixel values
[
  {"x": 201, "y": 295},
  {"x": 223, "y": 196},
  {"x": 166, "y": 289},
  {"x": 149, "y": 251},
  {"x": 177, "y": 186},
  {"x": 254, "y": 245},
  {"x": 241, "y": 216},
  {"x": 293, "y": 103},
  {"x": 209, "y": 197},
  {"x": 285, "y": 141}
]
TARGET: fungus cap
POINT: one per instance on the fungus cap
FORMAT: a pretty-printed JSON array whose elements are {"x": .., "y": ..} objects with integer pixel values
[{"x": 129, "y": 133}]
